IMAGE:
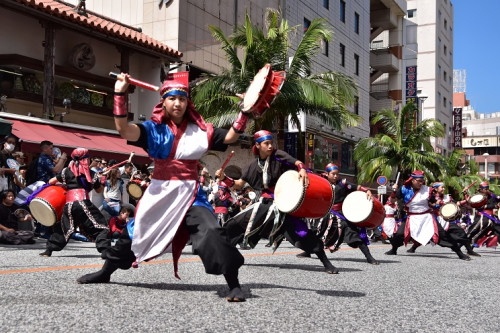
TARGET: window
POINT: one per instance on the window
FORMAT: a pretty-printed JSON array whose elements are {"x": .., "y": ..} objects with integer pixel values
[
  {"x": 444, "y": 101},
  {"x": 445, "y": 76},
  {"x": 342, "y": 55},
  {"x": 439, "y": 42},
  {"x": 307, "y": 23},
  {"x": 342, "y": 11},
  {"x": 439, "y": 15},
  {"x": 356, "y": 64},
  {"x": 326, "y": 4},
  {"x": 412, "y": 13},
  {"x": 445, "y": 24},
  {"x": 356, "y": 23},
  {"x": 325, "y": 47},
  {"x": 439, "y": 70},
  {"x": 439, "y": 97},
  {"x": 445, "y": 50},
  {"x": 356, "y": 105}
]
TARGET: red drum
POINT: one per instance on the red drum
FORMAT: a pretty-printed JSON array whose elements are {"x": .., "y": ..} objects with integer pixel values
[
  {"x": 478, "y": 200},
  {"x": 291, "y": 197},
  {"x": 47, "y": 207},
  {"x": 260, "y": 93},
  {"x": 362, "y": 212}
]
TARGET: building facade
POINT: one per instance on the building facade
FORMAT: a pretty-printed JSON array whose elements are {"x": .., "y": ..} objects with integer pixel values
[{"x": 430, "y": 24}]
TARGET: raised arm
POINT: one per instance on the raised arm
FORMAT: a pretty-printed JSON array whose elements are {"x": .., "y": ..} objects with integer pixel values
[{"x": 127, "y": 130}]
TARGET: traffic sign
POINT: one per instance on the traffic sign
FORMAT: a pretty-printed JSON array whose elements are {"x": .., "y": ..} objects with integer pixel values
[
  {"x": 382, "y": 190},
  {"x": 381, "y": 180}
]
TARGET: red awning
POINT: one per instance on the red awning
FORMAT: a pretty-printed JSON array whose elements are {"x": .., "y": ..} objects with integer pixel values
[{"x": 107, "y": 145}]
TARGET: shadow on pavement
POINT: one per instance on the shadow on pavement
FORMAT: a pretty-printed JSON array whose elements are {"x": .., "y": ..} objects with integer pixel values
[{"x": 222, "y": 290}]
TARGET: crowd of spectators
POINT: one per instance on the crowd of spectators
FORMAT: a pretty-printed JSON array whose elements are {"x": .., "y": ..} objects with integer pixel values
[{"x": 20, "y": 179}]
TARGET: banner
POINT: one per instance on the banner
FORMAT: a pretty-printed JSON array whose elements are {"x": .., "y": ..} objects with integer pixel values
[{"x": 457, "y": 127}]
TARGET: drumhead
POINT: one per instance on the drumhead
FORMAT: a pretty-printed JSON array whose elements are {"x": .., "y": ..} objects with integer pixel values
[
  {"x": 43, "y": 212},
  {"x": 253, "y": 92},
  {"x": 476, "y": 198},
  {"x": 134, "y": 190},
  {"x": 449, "y": 209},
  {"x": 288, "y": 192},
  {"x": 356, "y": 207}
]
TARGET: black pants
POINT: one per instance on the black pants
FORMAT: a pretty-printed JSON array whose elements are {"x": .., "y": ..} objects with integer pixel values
[
  {"x": 445, "y": 239},
  {"x": 87, "y": 218},
  {"x": 294, "y": 229},
  {"x": 209, "y": 241},
  {"x": 481, "y": 226}
]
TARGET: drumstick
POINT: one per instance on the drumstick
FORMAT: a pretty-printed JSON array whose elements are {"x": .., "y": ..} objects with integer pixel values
[
  {"x": 397, "y": 178},
  {"x": 468, "y": 187},
  {"x": 227, "y": 160},
  {"x": 114, "y": 166},
  {"x": 135, "y": 82}
]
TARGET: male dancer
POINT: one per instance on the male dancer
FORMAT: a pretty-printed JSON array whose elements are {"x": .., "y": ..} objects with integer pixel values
[
  {"x": 420, "y": 224},
  {"x": 79, "y": 211},
  {"x": 436, "y": 201},
  {"x": 484, "y": 220},
  {"x": 174, "y": 206},
  {"x": 263, "y": 219},
  {"x": 354, "y": 236}
]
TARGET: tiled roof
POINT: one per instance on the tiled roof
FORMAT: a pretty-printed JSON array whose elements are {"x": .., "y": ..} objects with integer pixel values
[{"x": 99, "y": 23}]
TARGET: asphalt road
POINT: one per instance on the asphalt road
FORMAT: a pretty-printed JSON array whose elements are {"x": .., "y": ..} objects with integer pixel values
[{"x": 429, "y": 291}]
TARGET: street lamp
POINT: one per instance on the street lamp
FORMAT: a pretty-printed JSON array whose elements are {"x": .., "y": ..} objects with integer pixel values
[
  {"x": 421, "y": 100},
  {"x": 486, "y": 165}
]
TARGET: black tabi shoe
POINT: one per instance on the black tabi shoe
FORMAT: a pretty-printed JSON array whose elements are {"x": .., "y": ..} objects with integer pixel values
[
  {"x": 391, "y": 253},
  {"x": 472, "y": 253},
  {"x": 303, "y": 255},
  {"x": 46, "y": 253}
]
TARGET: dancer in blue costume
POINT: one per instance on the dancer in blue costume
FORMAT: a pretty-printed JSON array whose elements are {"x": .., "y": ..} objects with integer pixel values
[{"x": 174, "y": 206}]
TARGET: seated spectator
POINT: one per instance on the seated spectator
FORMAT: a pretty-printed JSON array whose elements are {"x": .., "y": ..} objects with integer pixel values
[
  {"x": 9, "y": 222},
  {"x": 7, "y": 173},
  {"x": 113, "y": 193},
  {"x": 118, "y": 223},
  {"x": 47, "y": 168}
]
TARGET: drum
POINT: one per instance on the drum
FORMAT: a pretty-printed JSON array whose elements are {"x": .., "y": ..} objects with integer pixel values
[
  {"x": 362, "y": 212},
  {"x": 260, "y": 93},
  {"x": 134, "y": 190},
  {"x": 450, "y": 211},
  {"x": 291, "y": 197},
  {"x": 47, "y": 207},
  {"x": 478, "y": 200}
]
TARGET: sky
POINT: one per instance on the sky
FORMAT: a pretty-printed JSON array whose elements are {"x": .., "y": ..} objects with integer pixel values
[{"x": 477, "y": 50}]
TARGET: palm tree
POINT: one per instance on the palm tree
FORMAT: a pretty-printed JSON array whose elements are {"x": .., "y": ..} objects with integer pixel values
[
  {"x": 454, "y": 176},
  {"x": 402, "y": 146},
  {"x": 325, "y": 95}
]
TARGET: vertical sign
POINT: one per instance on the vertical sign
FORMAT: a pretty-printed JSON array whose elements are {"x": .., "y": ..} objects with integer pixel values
[
  {"x": 457, "y": 127},
  {"x": 411, "y": 84},
  {"x": 310, "y": 150}
]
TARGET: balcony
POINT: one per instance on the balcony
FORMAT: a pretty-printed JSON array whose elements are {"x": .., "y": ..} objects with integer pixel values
[{"x": 382, "y": 59}]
